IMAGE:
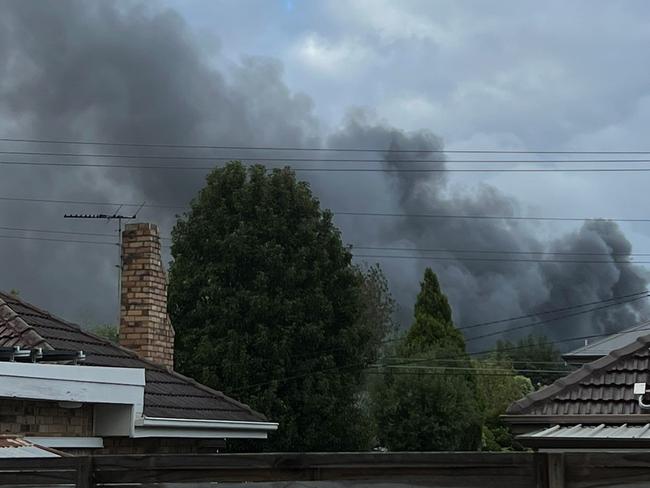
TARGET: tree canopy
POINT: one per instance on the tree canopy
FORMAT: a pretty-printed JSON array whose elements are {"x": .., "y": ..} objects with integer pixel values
[
  {"x": 268, "y": 307},
  {"x": 531, "y": 353},
  {"x": 435, "y": 408}
]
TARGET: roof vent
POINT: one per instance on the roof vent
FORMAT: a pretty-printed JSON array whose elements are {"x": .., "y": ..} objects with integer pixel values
[{"x": 640, "y": 390}]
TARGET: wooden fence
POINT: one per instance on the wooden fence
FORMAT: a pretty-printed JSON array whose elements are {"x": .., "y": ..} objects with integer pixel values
[{"x": 331, "y": 470}]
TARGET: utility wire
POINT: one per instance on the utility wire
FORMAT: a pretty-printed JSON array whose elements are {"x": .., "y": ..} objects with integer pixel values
[
  {"x": 554, "y": 319},
  {"x": 478, "y": 251},
  {"x": 342, "y": 213},
  {"x": 48, "y": 239},
  {"x": 242, "y": 157},
  {"x": 494, "y": 251},
  {"x": 496, "y": 260},
  {"x": 639, "y": 294},
  {"x": 556, "y": 310},
  {"x": 296, "y": 148},
  {"x": 362, "y": 366},
  {"x": 331, "y": 170},
  {"x": 456, "y": 368},
  {"x": 460, "y": 260}
]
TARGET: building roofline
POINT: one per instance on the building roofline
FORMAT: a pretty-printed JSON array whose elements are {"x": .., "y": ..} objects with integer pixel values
[{"x": 573, "y": 379}]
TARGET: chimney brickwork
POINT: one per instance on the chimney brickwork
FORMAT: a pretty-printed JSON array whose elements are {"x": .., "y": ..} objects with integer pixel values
[{"x": 145, "y": 327}]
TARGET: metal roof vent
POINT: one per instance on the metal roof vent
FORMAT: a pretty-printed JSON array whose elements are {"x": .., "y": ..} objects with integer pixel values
[{"x": 640, "y": 390}]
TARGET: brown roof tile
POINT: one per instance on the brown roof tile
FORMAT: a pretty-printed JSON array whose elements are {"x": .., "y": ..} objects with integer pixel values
[{"x": 167, "y": 394}]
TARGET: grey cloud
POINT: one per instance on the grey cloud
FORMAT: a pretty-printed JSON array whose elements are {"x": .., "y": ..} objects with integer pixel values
[{"x": 98, "y": 72}]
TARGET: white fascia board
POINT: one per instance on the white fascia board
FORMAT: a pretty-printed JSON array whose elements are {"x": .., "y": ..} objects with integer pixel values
[
  {"x": 218, "y": 429},
  {"x": 68, "y": 442},
  {"x": 68, "y": 383}
]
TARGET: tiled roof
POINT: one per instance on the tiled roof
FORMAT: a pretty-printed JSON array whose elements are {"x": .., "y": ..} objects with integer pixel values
[
  {"x": 602, "y": 387},
  {"x": 608, "y": 344},
  {"x": 167, "y": 393}
]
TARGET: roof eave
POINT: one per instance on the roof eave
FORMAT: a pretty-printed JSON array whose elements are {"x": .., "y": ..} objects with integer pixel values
[
  {"x": 575, "y": 419},
  {"x": 200, "y": 428}
]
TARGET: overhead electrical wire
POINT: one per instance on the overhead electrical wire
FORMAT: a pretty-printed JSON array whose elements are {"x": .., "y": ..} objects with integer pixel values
[
  {"x": 329, "y": 170},
  {"x": 243, "y": 157},
  {"x": 319, "y": 149},
  {"x": 493, "y": 251},
  {"x": 361, "y": 256},
  {"x": 343, "y": 213},
  {"x": 554, "y": 319},
  {"x": 639, "y": 294},
  {"x": 362, "y": 366},
  {"x": 555, "y": 310},
  {"x": 496, "y": 260},
  {"x": 378, "y": 248}
]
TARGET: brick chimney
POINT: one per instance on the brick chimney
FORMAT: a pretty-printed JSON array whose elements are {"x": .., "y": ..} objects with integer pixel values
[{"x": 145, "y": 327}]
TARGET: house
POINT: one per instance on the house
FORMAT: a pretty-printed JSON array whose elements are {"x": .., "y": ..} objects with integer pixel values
[
  {"x": 64, "y": 388},
  {"x": 601, "y": 405}
]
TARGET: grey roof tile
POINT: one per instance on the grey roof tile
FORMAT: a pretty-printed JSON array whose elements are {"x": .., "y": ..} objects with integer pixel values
[
  {"x": 604, "y": 386},
  {"x": 167, "y": 393}
]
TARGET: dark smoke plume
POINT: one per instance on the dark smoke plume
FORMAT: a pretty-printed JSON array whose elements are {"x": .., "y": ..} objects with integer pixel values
[{"x": 97, "y": 71}]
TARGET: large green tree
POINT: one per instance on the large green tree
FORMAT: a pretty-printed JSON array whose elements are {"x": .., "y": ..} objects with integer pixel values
[
  {"x": 268, "y": 307},
  {"x": 431, "y": 408}
]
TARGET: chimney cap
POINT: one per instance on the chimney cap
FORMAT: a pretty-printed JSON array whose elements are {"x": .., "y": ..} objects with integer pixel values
[{"x": 142, "y": 227}]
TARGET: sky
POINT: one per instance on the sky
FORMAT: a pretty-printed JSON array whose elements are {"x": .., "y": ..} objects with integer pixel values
[{"x": 430, "y": 75}]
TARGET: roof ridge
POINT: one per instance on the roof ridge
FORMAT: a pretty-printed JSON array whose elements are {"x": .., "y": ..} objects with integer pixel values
[
  {"x": 628, "y": 330},
  {"x": 573, "y": 379},
  {"x": 26, "y": 332}
]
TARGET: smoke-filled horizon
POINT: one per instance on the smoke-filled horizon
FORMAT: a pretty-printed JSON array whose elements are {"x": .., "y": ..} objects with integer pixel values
[{"x": 97, "y": 71}]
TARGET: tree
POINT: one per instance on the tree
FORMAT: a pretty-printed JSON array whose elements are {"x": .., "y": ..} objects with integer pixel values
[
  {"x": 435, "y": 408},
  {"x": 106, "y": 331},
  {"x": 268, "y": 307},
  {"x": 530, "y": 353},
  {"x": 495, "y": 392}
]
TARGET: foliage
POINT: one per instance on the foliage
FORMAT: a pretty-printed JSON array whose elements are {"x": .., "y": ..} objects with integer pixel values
[
  {"x": 495, "y": 392},
  {"x": 531, "y": 353},
  {"x": 268, "y": 308},
  {"x": 106, "y": 331},
  {"x": 432, "y": 409}
]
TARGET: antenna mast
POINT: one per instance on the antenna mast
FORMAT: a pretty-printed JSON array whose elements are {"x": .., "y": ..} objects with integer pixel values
[{"x": 108, "y": 218}]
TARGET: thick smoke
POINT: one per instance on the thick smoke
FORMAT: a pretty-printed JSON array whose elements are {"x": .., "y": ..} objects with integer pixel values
[
  {"x": 488, "y": 290},
  {"x": 97, "y": 71}
]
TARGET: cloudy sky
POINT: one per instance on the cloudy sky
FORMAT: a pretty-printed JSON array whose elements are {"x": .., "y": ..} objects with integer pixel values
[{"x": 410, "y": 74}]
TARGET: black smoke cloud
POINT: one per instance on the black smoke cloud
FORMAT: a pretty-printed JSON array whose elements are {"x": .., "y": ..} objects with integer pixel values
[{"x": 74, "y": 70}]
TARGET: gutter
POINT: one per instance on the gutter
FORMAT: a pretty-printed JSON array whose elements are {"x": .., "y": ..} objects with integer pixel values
[{"x": 194, "y": 428}]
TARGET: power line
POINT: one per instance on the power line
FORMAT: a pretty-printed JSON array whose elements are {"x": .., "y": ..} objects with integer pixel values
[
  {"x": 639, "y": 294},
  {"x": 344, "y": 213},
  {"x": 495, "y": 260},
  {"x": 48, "y": 239},
  {"x": 494, "y": 251},
  {"x": 243, "y": 157},
  {"x": 455, "y": 368},
  {"x": 297, "y": 148},
  {"x": 330, "y": 170},
  {"x": 45, "y": 231},
  {"x": 556, "y": 310},
  {"x": 361, "y": 366},
  {"x": 485, "y": 217},
  {"x": 554, "y": 319}
]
